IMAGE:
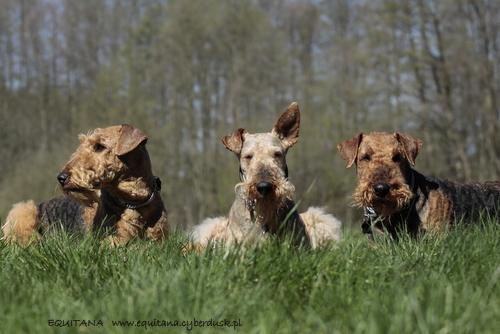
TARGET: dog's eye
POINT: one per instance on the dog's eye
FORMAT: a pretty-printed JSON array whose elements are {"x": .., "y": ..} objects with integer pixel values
[
  {"x": 99, "y": 148},
  {"x": 248, "y": 157},
  {"x": 278, "y": 155},
  {"x": 366, "y": 158},
  {"x": 397, "y": 158}
]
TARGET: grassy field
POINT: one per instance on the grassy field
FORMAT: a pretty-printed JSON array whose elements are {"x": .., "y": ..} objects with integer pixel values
[{"x": 450, "y": 285}]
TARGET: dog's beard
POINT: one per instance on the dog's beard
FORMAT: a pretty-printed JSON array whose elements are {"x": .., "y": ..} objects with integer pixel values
[
  {"x": 265, "y": 207},
  {"x": 84, "y": 196},
  {"x": 395, "y": 201}
]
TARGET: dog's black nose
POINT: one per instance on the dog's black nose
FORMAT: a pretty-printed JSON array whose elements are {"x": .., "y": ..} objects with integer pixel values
[
  {"x": 62, "y": 178},
  {"x": 381, "y": 189},
  {"x": 264, "y": 188}
]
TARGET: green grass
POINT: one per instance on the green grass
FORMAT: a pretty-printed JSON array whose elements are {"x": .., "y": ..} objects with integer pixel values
[{"x": 449, "y": 285}]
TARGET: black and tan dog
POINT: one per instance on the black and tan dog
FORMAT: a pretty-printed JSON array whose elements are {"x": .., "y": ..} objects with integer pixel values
[
  {"x": 108, "y": 184},
  {"x": 396, "y": 197}
]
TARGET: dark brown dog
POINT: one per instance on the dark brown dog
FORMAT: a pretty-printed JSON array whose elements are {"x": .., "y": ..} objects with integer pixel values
[{"x": 396, "y": 197}]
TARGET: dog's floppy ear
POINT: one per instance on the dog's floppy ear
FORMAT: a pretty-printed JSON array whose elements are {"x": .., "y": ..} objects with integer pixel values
[
  {"x": 130, "y": 138},
  {"x": 287, "y": 127},
  {"x": 349, "y": 149},
  {"x": 411, "y": 146},
  {"x": 234, "y": 141}
]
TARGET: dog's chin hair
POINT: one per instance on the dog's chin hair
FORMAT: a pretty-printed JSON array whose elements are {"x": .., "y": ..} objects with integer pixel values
[
  {"x": 400, "y": 200},
  {"x": 88, "y": 198},
  {"x": 265, "y": 207}
]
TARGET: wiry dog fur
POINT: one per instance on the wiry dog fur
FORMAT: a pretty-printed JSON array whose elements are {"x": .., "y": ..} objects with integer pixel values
[
  {"x": 396, "y": 197},
  {"x": 264, "y": 198},
  {"x": 108, "y": 185}
]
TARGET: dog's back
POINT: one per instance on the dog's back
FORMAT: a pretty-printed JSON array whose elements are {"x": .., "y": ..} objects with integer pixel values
[
  {"x": 470, "y": 201},
  {"x": 61, "y": 213}
]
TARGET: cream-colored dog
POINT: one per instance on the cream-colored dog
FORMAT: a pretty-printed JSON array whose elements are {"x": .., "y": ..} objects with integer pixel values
[{"x": 264, "y": 197}]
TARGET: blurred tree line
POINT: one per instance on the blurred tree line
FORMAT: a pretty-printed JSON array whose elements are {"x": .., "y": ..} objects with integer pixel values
[{"x": 189, "y": 72}]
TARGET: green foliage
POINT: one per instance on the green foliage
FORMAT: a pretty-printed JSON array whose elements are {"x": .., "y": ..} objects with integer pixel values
[{"x": 446, "y": 285}]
